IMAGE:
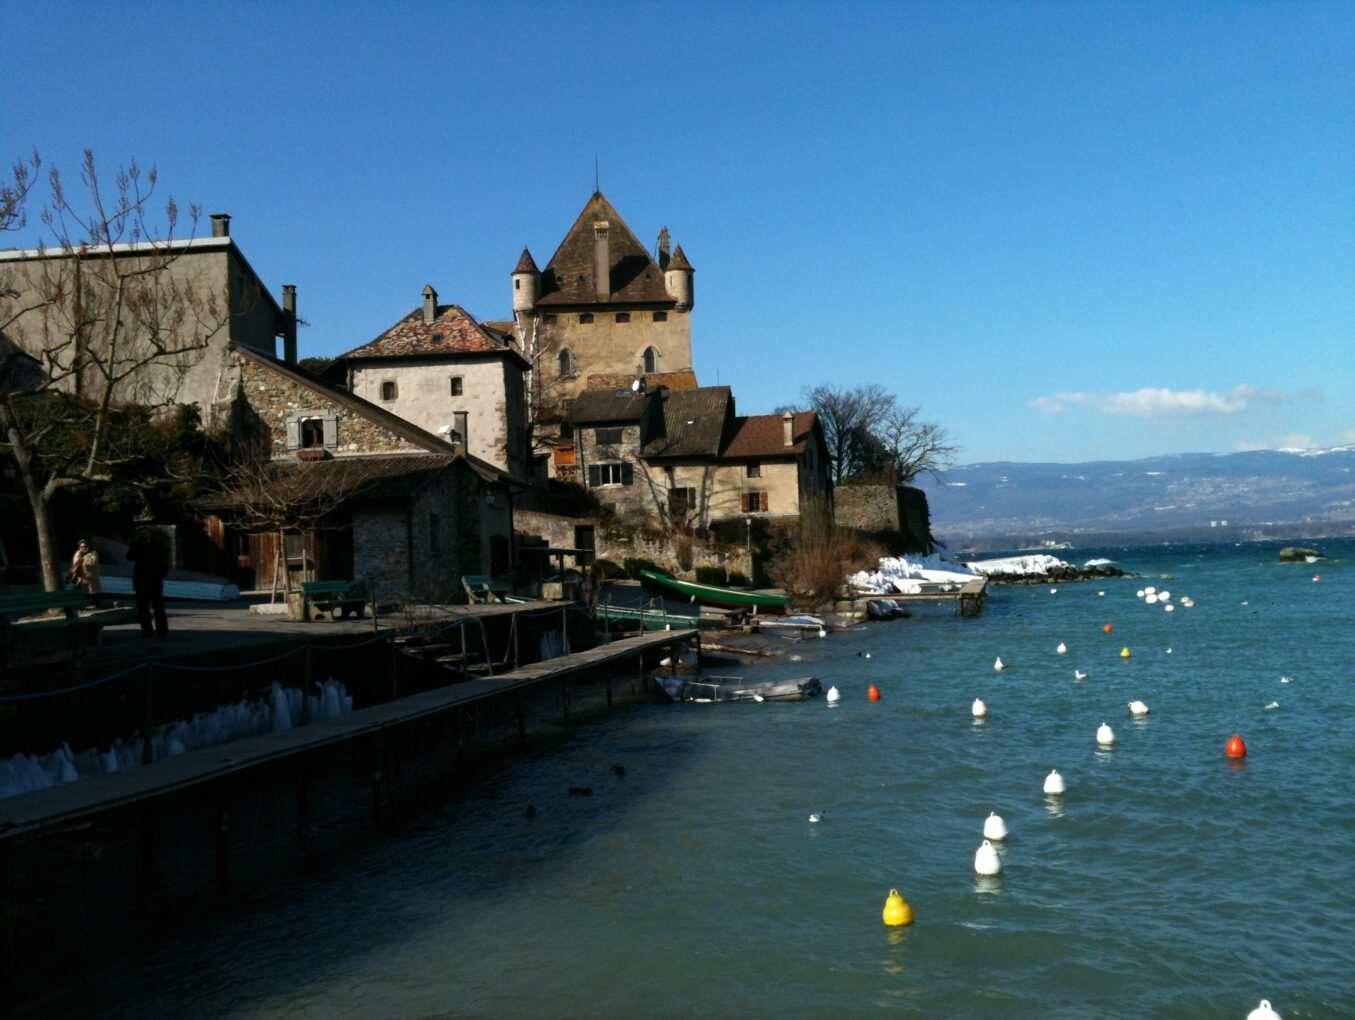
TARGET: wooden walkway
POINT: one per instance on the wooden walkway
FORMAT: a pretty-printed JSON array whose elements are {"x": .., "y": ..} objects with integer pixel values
[{"x": 30, "y": 814}]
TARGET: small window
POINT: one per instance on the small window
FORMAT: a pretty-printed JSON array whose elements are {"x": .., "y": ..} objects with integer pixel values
[
  {"x": 753, "y": 503},
  {"x": 456, "y": 385},
  {"x": 660, "y": 316},
  {"x": 312, "y": 433},
  {"x": 388, "y": 390},
  {"x": 754, "y": 469},
  {"x": 548, "y": 318},
  {"x": 681, "y": 501},
  {"x": 651, "y": 360},
  {"x": 435, "y": 534},
  {"x": 565, "y": 363},
  {"x": 611, "y": 474},
  {"x": 517, "y": 284},
  {"x": 585, "y": 318},
  {"x": 623, "y": 316},
  {"x": 608, "y": 437}
]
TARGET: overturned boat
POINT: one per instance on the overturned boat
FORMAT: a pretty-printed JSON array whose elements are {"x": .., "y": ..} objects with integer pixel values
[
  {"x": 712, "y": 595},
  {"x": 711, "y": 688}
]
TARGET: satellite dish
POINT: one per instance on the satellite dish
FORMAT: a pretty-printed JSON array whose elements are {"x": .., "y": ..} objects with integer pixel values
[{"x": 635, "y": 386}]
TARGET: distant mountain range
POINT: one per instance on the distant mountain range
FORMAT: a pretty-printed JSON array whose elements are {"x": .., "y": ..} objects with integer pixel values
[{"x": 1180, "y": 497}]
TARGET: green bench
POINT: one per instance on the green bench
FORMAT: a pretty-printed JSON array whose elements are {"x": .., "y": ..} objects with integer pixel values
[
  {"x": 47, "y": 639},
  {"x": 328, "y": 598},
  {"x": 483, "y": 588}
]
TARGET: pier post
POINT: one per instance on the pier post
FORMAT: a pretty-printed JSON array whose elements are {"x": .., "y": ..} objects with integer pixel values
[{"x": 517, "y": 657}]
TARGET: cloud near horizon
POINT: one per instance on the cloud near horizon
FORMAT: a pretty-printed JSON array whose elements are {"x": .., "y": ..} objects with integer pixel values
[{"x": 1160, "y": 402}]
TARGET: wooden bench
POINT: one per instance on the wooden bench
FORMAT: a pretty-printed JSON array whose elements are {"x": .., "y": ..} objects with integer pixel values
[
  {"x": 326, "y": 598},
  {"x": 483, "y": 588},
  {"x": 47, "y": 639}
]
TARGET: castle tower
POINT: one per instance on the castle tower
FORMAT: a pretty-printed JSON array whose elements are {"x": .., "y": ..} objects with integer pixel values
[
  {"x": 678, "y": 278},
  {"x": 526, "y": 284}
]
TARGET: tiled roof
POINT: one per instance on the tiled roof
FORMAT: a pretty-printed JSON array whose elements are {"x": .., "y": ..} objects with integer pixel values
[
  {"x": 452, "y": 331},
  {"x": 690, "y": 423},
  {"x": 601, "y": 405},
  {"x": 683, "y": 380},
  {"x": 763, "y": 435},
  {"x": 679, "y": 260},
  {"x": 504, "y": 327},
  {"x": 381, "y": 476},
  {"x": 635, "y": 276},
  {"x": 526, "y": 264}
]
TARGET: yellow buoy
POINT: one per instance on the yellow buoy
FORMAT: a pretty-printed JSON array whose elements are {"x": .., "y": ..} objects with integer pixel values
[
  {"x": 897, "y": 910},
  {"x": 1124, "y": 652}
]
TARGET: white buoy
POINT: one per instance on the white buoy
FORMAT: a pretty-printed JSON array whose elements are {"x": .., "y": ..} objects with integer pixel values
[
  {"x": 1079, "y": 675},
  {"x": 979, "y": 709},
  {"x": 833, "y": 696},
  {"x": 1053, "y": 591},
  {"x": 1286, "y": 679},
  {"x": 1105, "y": 736},
  {"x": 1264, "y": 1012},
  {"x": 998, "y": 664},
  {"x": 1169, "y": 651},
  {"x": 1062, "y": 649},
  {"x": 986, "y": 860},
  {"x": 816, "y": 817},
  {"x": 1138, "y": 708},
  {"x": 1101, "y": 594},
  {"x": 1273, "y": 704},
  {"x": 1053, "y": 783},
  {"x": 1150, "y": 590},
  {"x": 994, "y": 827},
  {"x": 1140, "y": 593},
  {"x": 1150, "y": 599},
  {"x": 1164, "y": 596},
  {"x": 1169, "y": 608}
]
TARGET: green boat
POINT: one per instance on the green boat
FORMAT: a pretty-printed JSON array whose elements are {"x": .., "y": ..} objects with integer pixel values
[{"x": 710, "y": 595}]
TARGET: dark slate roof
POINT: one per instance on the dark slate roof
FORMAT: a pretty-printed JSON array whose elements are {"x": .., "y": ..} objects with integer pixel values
[
  {"x": 380, "y": 476},
  {"x": 372, "y": 412},
  {"x": 689, "y": 423},
  {"x": 635, "y": 276},
  {"x": 619, "y": 404},
  {"x": 763, "y": 435},
  {"x": 682, "y": 380},
  {"x": 679, "y": 260},
  {"x": 452, "y": 331}
]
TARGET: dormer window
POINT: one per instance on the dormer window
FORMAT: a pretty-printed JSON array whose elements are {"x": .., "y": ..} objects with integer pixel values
[{"x": 312, "y": 433}]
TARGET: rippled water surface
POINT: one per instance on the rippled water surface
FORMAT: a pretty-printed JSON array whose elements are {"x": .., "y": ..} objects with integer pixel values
[{"x": 1169, "y": 881}]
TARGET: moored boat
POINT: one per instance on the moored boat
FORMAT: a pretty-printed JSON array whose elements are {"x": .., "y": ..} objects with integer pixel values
[
  {"x": 711, "y": 688},
  {"x": 712, "y": 595}
]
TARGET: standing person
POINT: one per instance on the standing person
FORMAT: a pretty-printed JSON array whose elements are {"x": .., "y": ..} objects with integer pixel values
[
  {"x": 148, "y": 581},
  {"x": 85, "y": 572}
]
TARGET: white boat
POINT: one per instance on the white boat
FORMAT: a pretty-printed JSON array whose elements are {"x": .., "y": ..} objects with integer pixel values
[{"x": 710, "y": 688}]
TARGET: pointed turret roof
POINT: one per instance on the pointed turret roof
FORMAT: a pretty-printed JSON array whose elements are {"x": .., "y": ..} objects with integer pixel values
[
  {"x": 635, "y": 277},
  {"x": 679, "y": 260},
  {"x": 526, "y": 264}
]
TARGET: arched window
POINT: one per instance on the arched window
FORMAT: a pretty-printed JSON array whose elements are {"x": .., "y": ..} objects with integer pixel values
[
  {"x": 651, "y": 360},
  {"x": 565, "y": 360}
]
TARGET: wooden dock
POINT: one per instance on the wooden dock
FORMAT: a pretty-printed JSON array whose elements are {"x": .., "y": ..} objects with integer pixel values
[{"x": 28, "y": 815}]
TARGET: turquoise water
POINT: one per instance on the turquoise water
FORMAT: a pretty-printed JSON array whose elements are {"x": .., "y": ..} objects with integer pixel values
[{"x": 1169, "y": 881}]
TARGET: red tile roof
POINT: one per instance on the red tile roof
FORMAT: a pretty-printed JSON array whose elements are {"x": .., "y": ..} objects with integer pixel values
[
  {"x": 635, "y": 277},
  {"x": 526, "y": 264},
  {"x": 763, "y": 435},
  {"x": 452, "y": 331}
]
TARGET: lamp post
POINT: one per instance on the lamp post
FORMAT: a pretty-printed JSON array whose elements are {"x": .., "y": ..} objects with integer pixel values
[{"x": 748, "y": 540}]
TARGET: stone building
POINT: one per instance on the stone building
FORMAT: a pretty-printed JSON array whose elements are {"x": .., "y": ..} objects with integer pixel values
[
  {"x": 683, "y": 460},
  {"x": 602, "y": 306},
  {"x": 450, "y": 375},
  {"x": 196, "y": 297},
  {"x": 404, "y": 506}
]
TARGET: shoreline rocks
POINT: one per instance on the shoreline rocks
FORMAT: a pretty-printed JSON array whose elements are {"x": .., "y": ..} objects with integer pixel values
[
  {"x": 1064, "y": 573},
  {"x": 1299, "y": 554}
]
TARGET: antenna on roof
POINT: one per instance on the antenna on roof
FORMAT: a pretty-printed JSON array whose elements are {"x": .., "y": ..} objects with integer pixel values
[{"x": 597, "y": 187}]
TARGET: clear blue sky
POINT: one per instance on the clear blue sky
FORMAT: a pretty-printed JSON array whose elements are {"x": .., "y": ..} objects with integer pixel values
[{"x": 1066, "y": 231}]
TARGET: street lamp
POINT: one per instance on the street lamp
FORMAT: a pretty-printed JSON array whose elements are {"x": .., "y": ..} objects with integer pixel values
[{"x": 748, "y": 541}]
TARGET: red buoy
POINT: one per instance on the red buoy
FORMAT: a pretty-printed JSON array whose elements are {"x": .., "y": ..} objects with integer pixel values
[
  {"x": 873, "y": 693},
  {"x": 1236, "y": 748},
  {"x": 1107, "y": 628}
]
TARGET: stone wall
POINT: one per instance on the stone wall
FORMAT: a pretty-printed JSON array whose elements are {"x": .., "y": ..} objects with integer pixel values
[
  {"x": 606, "y": 347},
  {"x": 616, "y": 543},
  {"x": 886, "y": 508}
]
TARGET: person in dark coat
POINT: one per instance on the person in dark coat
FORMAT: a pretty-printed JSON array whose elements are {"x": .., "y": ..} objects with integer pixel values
[{"x": 147, "y": 553}]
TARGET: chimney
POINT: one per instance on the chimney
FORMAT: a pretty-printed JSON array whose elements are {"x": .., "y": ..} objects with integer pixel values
[
  {"x": 664, "y": 254},
  {"x": 221, "y": 224},
  {"x": 289, "y": 323},
  {"x": 602, "y": 260},
  {"x": 462, "y": 425},
  {"x": 430, "y": 303},
  {"x": 788, "y": 429}
]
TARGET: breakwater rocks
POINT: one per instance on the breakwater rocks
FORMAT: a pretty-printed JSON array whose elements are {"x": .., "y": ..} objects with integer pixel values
[
  {"x": 1062, "y": 573},
  {"x": 1299, "y": 554}
]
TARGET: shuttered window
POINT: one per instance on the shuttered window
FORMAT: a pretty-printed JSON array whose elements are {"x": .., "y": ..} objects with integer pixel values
[{"x": 753, "y": 502}]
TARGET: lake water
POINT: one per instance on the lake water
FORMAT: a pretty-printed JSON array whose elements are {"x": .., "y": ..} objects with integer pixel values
[{"x": 1168, "y": 881}]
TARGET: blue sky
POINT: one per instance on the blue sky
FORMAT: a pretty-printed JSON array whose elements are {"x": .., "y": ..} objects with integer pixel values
[{"x": 1066, "y": 231}]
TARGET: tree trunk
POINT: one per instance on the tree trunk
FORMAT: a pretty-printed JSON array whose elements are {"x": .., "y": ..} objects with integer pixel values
[{"x": 38, "y": 500}]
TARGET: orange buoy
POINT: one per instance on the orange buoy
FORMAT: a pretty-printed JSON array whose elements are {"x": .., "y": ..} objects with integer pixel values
[
  {"x": 1107, "y": 628},
  {"x": 1236, "y": 748},
  {"x": 873, "y": 693}
]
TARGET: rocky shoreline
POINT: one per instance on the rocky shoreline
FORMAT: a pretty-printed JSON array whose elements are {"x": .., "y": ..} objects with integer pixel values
[{"x": 1064, "y": 573}]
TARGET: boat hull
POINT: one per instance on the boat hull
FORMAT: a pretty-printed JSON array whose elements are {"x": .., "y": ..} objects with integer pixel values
[
  {"x": 735, "y": 688},
  {"x": 711, "y": 595}
]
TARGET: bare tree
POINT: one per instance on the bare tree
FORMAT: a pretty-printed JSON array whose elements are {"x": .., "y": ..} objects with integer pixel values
[
  {"x": 93, "y": 318},
  {"x": 913, "y": 447},
  {"x": 848, "y": 418}
]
